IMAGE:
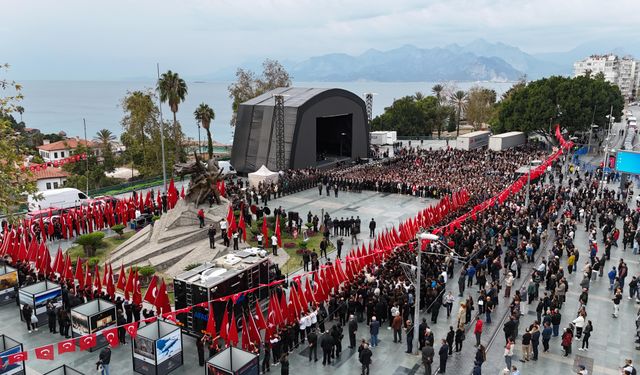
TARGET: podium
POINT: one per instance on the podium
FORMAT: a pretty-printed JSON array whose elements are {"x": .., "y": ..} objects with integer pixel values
[
  {"x": 8, "y": 284},
  {"x": 233, "y": 361},
  {"x": 92, "y": 317},
  {"x": 10, "y": 346},
  {"x": 157, "y": 348},
  {"x": 64, "y": 370},
  {"x": 37, "y": 296}
]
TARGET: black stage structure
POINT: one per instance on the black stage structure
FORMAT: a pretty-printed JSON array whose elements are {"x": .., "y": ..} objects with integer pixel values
[{"x": 321, "y": 126}]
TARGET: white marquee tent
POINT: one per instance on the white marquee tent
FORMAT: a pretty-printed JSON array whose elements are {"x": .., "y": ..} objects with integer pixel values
[{"x": 262, "y": 174}]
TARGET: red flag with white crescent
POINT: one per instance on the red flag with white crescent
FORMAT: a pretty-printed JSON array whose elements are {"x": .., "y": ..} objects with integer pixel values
[
  {"x": 132, "y": 329},
  {"x": 87, "y": 342},
  {"x": 17, "y": 358},
  {"x": 44, "y": 352},
  {"x": 152, "y": 291},
  {"x": 112, "y": 336}
]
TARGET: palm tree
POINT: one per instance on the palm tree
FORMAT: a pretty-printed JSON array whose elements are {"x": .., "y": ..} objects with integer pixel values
[
  {"x": 104, "y": 137},
  {"x": 459, "y": 99},
  {"x": 418, "y": 95},
  {"x": 437, "y": 90},
  {"x": 20, "y": 110},
  {"x": 204, "y": 115},
  {"x": 173, "y": 90}
]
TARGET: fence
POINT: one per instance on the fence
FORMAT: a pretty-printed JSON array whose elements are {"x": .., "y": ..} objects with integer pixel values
[{"x": 127, "y": 186}]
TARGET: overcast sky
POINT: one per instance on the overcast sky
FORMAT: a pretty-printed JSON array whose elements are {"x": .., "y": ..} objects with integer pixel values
[{"x": 116, "y": 39}]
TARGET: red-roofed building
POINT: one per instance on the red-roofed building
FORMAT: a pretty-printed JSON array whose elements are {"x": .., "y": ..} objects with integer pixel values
[
  {"x": 50, "y": 178},
  {"x": 63, "y": 149}
]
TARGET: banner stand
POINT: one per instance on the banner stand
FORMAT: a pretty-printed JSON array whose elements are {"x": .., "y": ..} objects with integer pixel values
[
  {"x": 157, "y": 348},
  {"x": 233, "y": 361},
  {"x": 8, "y": 284},
  {"x": 64, "y": 370},
  {"x": 37, "y": 296},
  {"x": 92, "y": 317},
  {"x": 10, "y": 346}
]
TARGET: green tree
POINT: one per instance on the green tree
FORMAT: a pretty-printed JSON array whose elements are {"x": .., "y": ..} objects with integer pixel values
[
  {"x": 248, "y": 85},
  {"x": 90, "y": 169},
  {"x": 204, "y": 115},
  {"x": 104, "y": 137},
  {"x": 90, "y": 242},
  {"x": 141, "y": 135},
  {"x": 570, "y": 102},
  {"x": 20, "y": 110},
  {"x": 411, "y": 116},
  {"x": 173, "y": 90},
  {"x": 480, "y": 106},
  {"x": 16, "y": 183},
  {"x": 459, "y": 100}
]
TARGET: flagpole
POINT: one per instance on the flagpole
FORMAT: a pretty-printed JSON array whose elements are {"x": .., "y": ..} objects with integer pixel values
[{"x": 164, "y": 166}]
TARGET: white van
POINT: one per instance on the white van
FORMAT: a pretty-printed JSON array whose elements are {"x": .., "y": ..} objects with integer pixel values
[
  {"x": 61, "y": 198},
  {"x": 226, "y": 168}
]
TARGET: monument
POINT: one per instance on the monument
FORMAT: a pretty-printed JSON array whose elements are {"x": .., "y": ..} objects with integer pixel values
[{"x": 176, "y": 239}]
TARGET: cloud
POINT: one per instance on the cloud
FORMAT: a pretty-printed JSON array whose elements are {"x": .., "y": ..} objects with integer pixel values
[{"x": 115, "y": 39}]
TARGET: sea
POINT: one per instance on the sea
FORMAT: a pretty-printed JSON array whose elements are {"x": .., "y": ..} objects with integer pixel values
[{"x": 54, "y": 106}]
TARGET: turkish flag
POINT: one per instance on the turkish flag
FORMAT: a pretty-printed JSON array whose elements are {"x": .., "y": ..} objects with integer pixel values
[
  {"x": 112, "y": 336},
  {"x": 132, "y": 329},
  {"x": 45, "y": 352},
  {"x": 98, "y": 282},
  {"x": 260, "y": 317},
  {"x": 129, "y": 285},
  {"x": 278, "y": 235},
  {"x": 17, "y": 358},
  {"x": 211, "y": 323},
  {"x": 245, "y": 334},
  {"x": 122, "y": 281},
  {"x": 224, "y": 327},
  {"x": 162, "y": 300},
  {"x": 137, "y": 294},
  {"x": 67, "y": 346},
  {"x": 87, "y": 341},
  {"x": 233, "y": 331},
  {"x": 265, "y": 233},
  {"x": 152, "y": 292},
  {"x": 79, "y": 274}
]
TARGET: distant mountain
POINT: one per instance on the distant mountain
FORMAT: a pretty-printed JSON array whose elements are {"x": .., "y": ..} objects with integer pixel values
[
  {"x": 530, "y": 65},
  {"x": 405, "y": 64}
]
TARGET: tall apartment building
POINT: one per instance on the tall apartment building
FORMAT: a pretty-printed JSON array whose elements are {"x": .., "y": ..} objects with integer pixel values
[{"x": 621, "y": 71}]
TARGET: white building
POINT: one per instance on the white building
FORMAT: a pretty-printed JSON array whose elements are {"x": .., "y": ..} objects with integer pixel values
[
  {"x": 50, "y": 178},
  {"x": 63, "y": 149},
  {"x": 621, "y": 71}
]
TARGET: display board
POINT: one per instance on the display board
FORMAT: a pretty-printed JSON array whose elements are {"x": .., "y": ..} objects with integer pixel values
[
  {"x": 628, "y": 162},
  {"x": 233, "y": 361},
  {"x": 157, "y": 349},
  {"x": 37, "y": 296},
  {"x": 9, "y": 346},
  {"x": 8, "y": 284},
  {"x": 64, "y": 370},
  {"x": 92, "y": 317}
]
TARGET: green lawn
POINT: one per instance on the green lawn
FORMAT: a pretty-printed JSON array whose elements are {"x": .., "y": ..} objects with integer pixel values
[
  {"x": 102, "y": 253},
  {"x": 295, "y": 260}
]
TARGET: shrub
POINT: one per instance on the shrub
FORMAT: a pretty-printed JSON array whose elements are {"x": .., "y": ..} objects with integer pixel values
[
  {"x": 93, "y": 261},
  {"x": 118, "y": 228},
  {"x": 155, "y": 218},
  {"x": 302, "y": 244},
  {"x": 289, "y": 245},
  {"x": 146, "y": 271},
  {"x": 90, "y": 242},
  {"x": 191, "y": 266}
]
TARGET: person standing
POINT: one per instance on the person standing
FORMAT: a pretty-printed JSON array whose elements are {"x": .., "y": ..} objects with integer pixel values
[
  {"x": 236, "y": 240},
  {"x": 266, "y": 367},
  {"x": 526, "y": 346},
  {"x": 372, "y": 228},
  {"x": 616, "y": 302},
  {"x": 450, "y": 338},
  {"x": 422, "y": 328},
  {"x": 409, "y": 336},
  {"x": 201, "y": 217},
  {"x": 459, "y": 338},
  {"x": 274, "y": 245},
  {"x": 104, "y": 359},
  {"x": 396, "y": 325},
  {"x": 51, "y": 316},
  {"x": 443, "y": 353},
  {"x": 200, "y": 343},
  {"x": 327, "y": 347},
  {"x": 567, "y": 337},
  {"x": 121, "y": 321},
  {"x": 508, "y": 352},
  {"x": 284, "y": 364},
  {"x": 223, "y": 232},
  {"x": 27, "y": 315},
  {"x": 535, "y": 340},
  {"x": 339, "y": 245},
  {"x": 312, "y": 339},
  {"x": 427, "y": 358},
  {"x": 546, "y": 336},
  {"x": 374, "y": 329},
  {"x": 478, "y": 331},
  {"x": 586, "y": 333},
  {"x": 352, "y": 328},
  {"x": 365, "y": 358},
  {"x": 212, "y": 236}
]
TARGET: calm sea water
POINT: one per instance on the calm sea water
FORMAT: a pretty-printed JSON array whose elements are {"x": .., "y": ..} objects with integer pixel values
[{"x": 52, "y": 106}]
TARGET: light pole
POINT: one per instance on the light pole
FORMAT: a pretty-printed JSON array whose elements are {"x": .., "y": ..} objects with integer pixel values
[
  {"x": 606, "y": 147},
  {"x": 199, "y": 143},
  {"x": 421, "y": 236}
]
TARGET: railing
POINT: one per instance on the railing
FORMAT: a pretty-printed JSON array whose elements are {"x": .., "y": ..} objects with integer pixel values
[{"x": 127, "y": 186}]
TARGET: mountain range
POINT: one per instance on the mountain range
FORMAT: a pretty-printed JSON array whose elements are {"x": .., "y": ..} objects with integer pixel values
[{"x": 478, "y": 60}]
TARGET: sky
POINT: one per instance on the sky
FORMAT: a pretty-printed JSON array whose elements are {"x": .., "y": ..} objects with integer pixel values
[{"x": 123, "y": 39}]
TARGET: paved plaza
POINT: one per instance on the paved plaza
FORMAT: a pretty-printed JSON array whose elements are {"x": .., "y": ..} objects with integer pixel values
[{"x": 611, "y": 341}]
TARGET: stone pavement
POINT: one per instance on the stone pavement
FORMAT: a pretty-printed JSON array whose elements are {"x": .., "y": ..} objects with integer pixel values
[{"x": 611, "y": 341}]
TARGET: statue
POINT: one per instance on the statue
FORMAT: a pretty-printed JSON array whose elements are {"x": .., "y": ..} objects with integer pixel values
[{"x": 204, "y": 179}]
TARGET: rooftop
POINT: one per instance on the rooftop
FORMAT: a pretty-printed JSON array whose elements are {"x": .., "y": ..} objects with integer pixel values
[
  {"x": 66, "y": 144},
  {"x": 50, "y": 172}
]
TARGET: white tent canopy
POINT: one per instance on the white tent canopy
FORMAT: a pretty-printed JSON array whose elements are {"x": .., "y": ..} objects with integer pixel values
[{"x": 262, "y": 174}]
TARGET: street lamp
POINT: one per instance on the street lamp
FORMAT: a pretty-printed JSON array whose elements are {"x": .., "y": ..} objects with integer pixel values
[{"x": 421, "y": 236}]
